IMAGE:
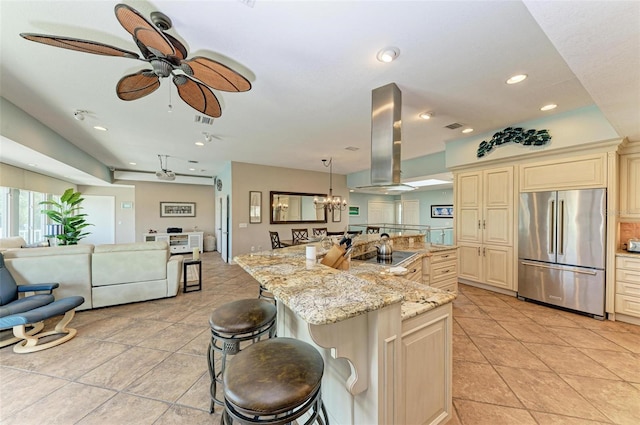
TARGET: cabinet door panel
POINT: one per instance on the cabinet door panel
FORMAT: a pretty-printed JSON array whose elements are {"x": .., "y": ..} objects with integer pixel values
[
  {"x": 497, "y": 228},
  {"x": 469, "y": 190},
  {"x": 468, "y": 225},
  {"x": 498, "y": 187},
  {"x": 498, "y": 266},
  {"x": 630, "y": 185},
  {"x": 469, "y": 262}
]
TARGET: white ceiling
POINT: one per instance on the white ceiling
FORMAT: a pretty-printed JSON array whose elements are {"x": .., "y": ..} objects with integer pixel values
[{"x": 312, "y": 65}]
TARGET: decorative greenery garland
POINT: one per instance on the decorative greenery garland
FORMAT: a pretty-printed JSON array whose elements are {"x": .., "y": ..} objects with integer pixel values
[{"x": 515, "y": 135}]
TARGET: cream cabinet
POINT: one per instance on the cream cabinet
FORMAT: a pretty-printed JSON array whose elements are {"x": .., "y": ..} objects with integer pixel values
[
  {"x": 574, "y": 172},
  {"x": 630, "y": 185},
  {"x": 426, "y": 368},
  {"x": 627, "y": 299},
  {"x": 179, "y": 243},
  {"x": 415, "y": 270},
  {"x": 440, "y": 270},
  {"x": 484, "y": 226}
]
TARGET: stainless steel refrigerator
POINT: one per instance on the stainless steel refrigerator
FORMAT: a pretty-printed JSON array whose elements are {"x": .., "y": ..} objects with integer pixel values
[{"x": 561, "y": 249}]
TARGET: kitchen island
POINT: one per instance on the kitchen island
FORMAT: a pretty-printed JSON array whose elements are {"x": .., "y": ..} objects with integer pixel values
[{"x": 385, "y": 340}]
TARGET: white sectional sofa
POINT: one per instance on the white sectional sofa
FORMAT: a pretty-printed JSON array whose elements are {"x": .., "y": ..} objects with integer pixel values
[{"x": 104, "y": 275}]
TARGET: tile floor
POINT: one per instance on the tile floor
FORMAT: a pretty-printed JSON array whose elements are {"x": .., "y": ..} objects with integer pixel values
[{"x": 145, "y": 363}]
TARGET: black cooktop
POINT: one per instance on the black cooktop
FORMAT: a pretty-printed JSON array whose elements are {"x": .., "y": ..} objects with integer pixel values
[{"x": 396, "y": 257}]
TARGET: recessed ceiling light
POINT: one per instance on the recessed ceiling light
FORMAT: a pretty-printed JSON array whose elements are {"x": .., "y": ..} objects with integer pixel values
[
  {"x": 192, "y": 169},
  {"x": 388, "y": 54},
  {"x": 467, "y": 130},
  {"x": 425, "y": 115},
  {"x": 199, "y": 143},
  {"x": 517, "y": 79},
  {"x": 549, "y": 107},
  {"x": 32, "y": 165},
  {"x": 100, "y": 128},
  {"x": 133, "y": 163}
]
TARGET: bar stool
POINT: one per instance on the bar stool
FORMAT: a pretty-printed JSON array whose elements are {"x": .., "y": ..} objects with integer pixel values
[
  {"x": 231, "y": 324},
  {"x": 274, "y": 382}
]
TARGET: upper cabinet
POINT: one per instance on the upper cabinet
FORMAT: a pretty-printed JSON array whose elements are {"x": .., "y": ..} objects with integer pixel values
[
  {"x": 589, "y": 171},
  {"x": 630, "y": 185}
]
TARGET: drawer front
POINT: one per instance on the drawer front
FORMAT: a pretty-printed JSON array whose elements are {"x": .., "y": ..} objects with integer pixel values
[
  {"x": 443, "y": 256},
  {"x": 630, "y": 276},
  {"x": 628, "y": 263},
  {"x": 450, "y": 285},
  {"x": 628, "y": 305},
  {"x": 628, "y": 288},
  {"x": 444, "y": 271}
]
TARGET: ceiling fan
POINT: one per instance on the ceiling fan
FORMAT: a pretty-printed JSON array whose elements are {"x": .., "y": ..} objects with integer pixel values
[{"x": 193, "y": 77}]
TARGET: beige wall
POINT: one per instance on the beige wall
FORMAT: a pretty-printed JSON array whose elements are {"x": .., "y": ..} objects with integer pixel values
[
  {"x": 251, "y": 177},
  {"x": 125, "y": 226},
  {"x": 148, "y": 196}
]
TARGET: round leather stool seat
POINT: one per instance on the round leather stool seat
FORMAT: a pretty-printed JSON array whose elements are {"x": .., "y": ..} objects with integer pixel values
[
  {"x": 242, "y": 316},
  {"x": 280, "y": 376},
  {"x": 232, "y": 324}
]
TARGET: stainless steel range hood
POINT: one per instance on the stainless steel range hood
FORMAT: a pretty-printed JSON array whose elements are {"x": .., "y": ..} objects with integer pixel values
[{"x": 386, "y": 141}]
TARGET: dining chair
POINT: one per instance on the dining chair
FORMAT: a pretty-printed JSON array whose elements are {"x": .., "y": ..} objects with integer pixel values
[
  {"x": 319, "y": 231},
  {"x": 299, "y": 235},
  {"x": 373, "y": 229},
  {"x": 275, "y": 240}
]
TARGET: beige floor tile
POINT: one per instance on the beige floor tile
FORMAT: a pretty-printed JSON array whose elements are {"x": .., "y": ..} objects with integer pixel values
[
  {"x": 132, "y": 333},
  {"x": 628, "y": 340},
  {"x": 126, "y": 409},
  {"x": 508, "y": 353},
  {"x": 624, "y": 365},
  {"x": 474, "y": 413},
  {"x": 124, "y": 369},
  {"x": 67, "y": 405},
  {"x": 551, "y": 419},
  {"x": 532, "y": 332},
  {"x": 171, "y": 338},
  {"x": 585, "y": 338},
  {"x": 620, "y": 401},
  {"x": 462, "y": 299},
  {"x": 198, "y": 396},
  {"x": 547, "y": 392},
  {"x": 505, "y": 314},
  {"x": 480, "y": 382},
  {"x": 457, "y": 329},
  {"x": 170, "y": 379},
  {"x": 569, "y": 360},
  {"x": 469, "y": 310},
  {"x": 182, "y": 415},
  {"x": 551, "y": 319},
  {"x": 106, "y": 327},
  {"x": 455, "y": 419},
  {"x": 483, "y": 327},
  {"x": 24, "y": 390},
  {"x": 198, "y": 345},
  {"x": 465, "y": 349},
  {"x": 487, "y": 299}
]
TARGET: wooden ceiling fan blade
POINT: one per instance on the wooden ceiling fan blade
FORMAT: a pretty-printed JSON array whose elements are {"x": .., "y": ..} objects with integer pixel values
[
  {"x": 215, "y": 75},
  {"x": 86, "y": 46},
  {"x": 198, "y": 96},
  {"x": 144, "y": 31},
  {"x": 135, "y": 86},
  {"x": 181, "y": 50}
]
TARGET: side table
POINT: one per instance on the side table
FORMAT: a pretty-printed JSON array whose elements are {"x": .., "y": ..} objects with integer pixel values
[{"x": 195, "y": 287}]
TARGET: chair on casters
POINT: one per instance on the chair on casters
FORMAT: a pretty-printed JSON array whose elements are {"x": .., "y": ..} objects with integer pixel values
[
  {"x": 31, "y": 311},
  {"x": 275, "y": 382},
  {"x": 319, "y": 231},
  {"x": 299, "y": 235},
  {"x": 373, "y": 229},
  {"x": 231, "y": 324}
]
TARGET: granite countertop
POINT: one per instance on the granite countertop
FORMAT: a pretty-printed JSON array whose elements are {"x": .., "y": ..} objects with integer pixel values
[
  {"x": 623, "y": 253},
  {"x": 320, "y": 294}
]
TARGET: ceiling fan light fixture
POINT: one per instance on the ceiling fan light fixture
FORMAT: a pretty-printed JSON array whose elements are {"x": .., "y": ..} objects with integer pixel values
[
  {"x": 516, "y": 79},
  {"x": 388, "y": 54}
]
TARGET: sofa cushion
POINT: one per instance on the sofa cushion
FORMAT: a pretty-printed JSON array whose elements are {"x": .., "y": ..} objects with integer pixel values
[
  {"x": 125, "y": 263},
  {"x": 12, "y": 242}
]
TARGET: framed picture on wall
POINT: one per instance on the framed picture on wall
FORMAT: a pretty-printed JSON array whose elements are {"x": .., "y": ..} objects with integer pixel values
[
  {"x": 354, "y": 211},
  {"x": 441, "y": 211},
  {"x": 255, "y": 207},
  {"x": 177, "y": 209}
]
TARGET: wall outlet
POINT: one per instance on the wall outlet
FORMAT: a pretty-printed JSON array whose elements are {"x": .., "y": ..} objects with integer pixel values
[{"x": 242, "y": 225}]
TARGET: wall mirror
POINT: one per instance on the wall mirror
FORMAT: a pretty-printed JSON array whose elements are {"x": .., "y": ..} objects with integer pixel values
[
  {"x": 255, "y": 207},
  {"x": 295, "y": 207}
]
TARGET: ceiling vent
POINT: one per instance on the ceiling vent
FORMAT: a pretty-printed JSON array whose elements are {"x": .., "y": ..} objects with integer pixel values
[
  {"x": 203, "y": 120},
  {"x": 453, "y": 126}
]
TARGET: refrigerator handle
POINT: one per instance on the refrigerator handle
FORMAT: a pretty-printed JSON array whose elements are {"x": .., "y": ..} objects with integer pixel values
[
  {"x": 551, "y": 225},
  {"x": 561, "y": 227}
]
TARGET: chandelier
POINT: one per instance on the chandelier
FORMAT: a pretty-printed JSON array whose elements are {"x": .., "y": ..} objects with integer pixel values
[
  {"x": 329, "y": 202},
  {"x": 280, "y": 206}
]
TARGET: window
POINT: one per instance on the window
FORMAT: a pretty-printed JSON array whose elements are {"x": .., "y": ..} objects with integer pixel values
[{"x": 20, "y": 214}]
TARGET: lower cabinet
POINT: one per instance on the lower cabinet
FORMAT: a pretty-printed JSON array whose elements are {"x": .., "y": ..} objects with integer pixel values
[
  {"x": 487, "y": 264},
  {"x": 179, "y": 243},
  {"x": 440, "y": 270},
  {"x": 415, "y": 271},
  {"x": 426, "y": 385},
  {"x": 628, "y": 286}
]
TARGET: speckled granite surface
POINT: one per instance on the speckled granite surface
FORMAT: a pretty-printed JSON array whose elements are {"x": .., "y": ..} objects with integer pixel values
[
  {"x": 621, "y": 253},
  {"x": 321, "y": 295}
]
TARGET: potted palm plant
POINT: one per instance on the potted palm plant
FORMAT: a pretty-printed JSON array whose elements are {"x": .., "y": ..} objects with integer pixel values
[{"x": 66, "y": 214}]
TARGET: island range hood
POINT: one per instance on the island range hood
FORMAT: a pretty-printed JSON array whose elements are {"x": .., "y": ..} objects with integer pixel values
[{"x": 386, "y": 141}]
